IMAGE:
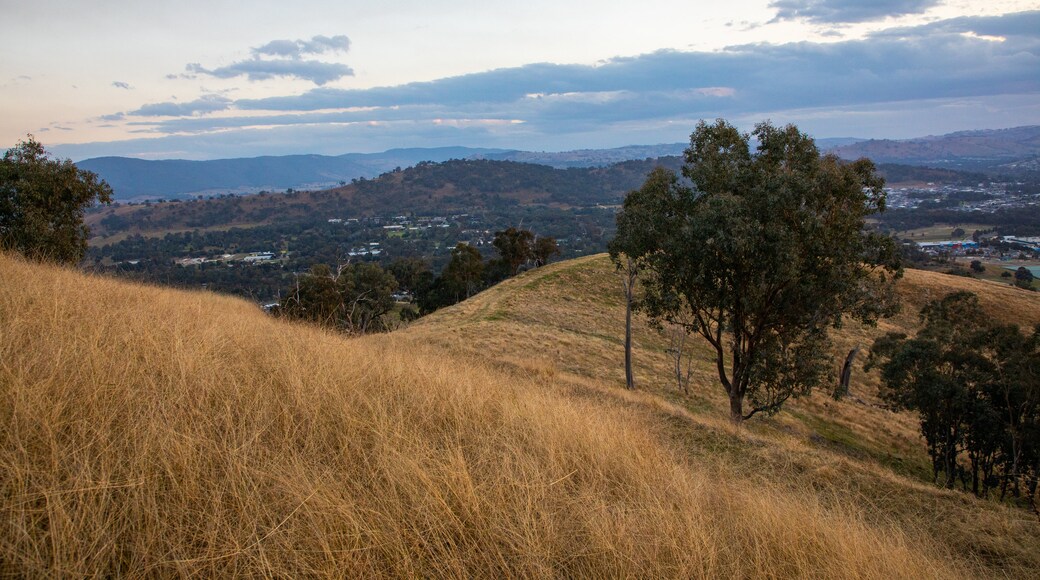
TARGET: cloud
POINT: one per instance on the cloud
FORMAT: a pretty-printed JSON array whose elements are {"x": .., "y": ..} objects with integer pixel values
[
  {"x": 932, "y": 61},
  {"x": 121, "y": 85},
  {"x": 317, "y": 72},
  {"x": 841, "y": 88},
  {"x": 202, "y": 105},
  {"x": 844, "y": 11},
  {"x": 113, "y": 117},
  {"x": 297, "y": 48},
  {"x": 1025, "y": 25},
  {"x": 283, "y": 58}
]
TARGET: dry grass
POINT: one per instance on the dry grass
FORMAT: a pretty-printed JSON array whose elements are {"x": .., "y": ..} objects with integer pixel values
[
  {"x": 568, "y": 318},
  {"x": 150, "y": 432}
]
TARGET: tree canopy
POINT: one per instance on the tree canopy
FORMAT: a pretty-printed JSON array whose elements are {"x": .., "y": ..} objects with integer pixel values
[
  {"x": 42, "y": 202},
  {"x": 760, "y": 252},
  {"x": 976, "y": 388},
  {"x": 356, "y": 298}
]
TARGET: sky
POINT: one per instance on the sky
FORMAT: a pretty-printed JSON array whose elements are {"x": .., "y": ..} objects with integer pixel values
[{"x": 220, "y": 79}]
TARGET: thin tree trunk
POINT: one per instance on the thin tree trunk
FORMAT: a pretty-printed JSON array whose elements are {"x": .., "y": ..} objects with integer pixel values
[
  {"x": 846, "y": 375},
  {"x": 629, "y": 282}
]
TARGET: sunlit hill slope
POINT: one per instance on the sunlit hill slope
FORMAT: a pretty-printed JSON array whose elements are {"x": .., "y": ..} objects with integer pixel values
[{"x": 150, "y": 432}]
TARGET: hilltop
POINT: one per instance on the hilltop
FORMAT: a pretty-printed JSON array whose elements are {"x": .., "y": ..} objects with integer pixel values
[
  {"x": 140, "y": 179},
  {"x": 425, "y": 189},
  {"x": 151, "y": 431},
  {"x": 998, "y": 150}
]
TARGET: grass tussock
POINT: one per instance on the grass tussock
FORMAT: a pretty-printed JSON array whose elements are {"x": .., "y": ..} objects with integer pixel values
[{"x": 155, "y": 432}]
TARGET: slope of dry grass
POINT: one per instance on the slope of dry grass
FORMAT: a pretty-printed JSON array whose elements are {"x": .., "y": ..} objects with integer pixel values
[
  {"x": 568, "y": 319},
  {"x": 157, "y": 432}
]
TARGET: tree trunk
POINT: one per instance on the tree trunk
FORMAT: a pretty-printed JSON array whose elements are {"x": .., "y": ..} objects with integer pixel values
[
  {"x": 736, "y": 409},
  {"x": 846, "y": 375},
  {"x": 629, "y": 282}
]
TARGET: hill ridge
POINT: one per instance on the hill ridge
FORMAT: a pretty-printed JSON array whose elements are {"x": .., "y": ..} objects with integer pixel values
[{"x": 158, "y": 431}]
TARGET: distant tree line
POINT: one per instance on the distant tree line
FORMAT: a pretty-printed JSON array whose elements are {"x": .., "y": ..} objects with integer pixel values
[
  {"x": 976, "y": 386},
  {"x": 1018, "y": 221},
  {"x": 359, "y": 297}
]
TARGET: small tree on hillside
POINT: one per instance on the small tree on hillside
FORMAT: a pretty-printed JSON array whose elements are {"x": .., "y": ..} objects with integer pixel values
[
  {"x": 464, "y": 274},
  {"x": 1023, "y": 278},
  {"x": 544, "y": 248},
  {"x": 515, "y": 246},
  {"x": 366, "y": 292},
  {"x": 936, "y": 374},
  {"x": 42, "y": 201},
  {"x": 976, "y": 388},
  {"x": 315, "y": 297},
  {"x": 761, "y": 256},
  {"x": 355, "y": 298}
]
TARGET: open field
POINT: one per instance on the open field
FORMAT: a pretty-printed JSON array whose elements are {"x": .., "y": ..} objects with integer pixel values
[
  {"x": 941, "y": 232},
  {"x": 148, "y": 431}
]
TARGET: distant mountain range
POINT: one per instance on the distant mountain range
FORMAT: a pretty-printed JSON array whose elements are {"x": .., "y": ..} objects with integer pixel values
[
  {"x": 1001, "y": 151},
  {"x": 139, "y": 179}
]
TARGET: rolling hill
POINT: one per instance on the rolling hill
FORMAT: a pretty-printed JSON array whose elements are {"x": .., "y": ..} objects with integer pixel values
[
  {"x": 1001, "y": 151},
  {"x": 150, "y": 431},
  {"x": 995, "y": 150},
  {"x": 140, "y": 179},
  {"x": 425, "y": 189}
]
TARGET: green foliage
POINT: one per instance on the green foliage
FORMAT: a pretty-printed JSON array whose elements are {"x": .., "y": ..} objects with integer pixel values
[
  {"x": 976, "y": 387},
  {"x": 354, "y": 299},
  {"x": 977, "y": 266},
  {"x": 1024, "y": 278},
  {"x": 518, "y": 247},
  {"x": 761, "y": 256},
  {"x": 464, "y": 274},
  {"x": 412, "y": 274},
  {"x": 42, "y": 202},
  {"x": 515, "y": 246},
  {"x": 544, "y": 249}
]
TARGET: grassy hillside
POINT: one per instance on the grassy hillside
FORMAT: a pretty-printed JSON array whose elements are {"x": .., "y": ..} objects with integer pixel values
[
  {"x": 155, "y": 432},
  {"x": 567, "y": 320}
]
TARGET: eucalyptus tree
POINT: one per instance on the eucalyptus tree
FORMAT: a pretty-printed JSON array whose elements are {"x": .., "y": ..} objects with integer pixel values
[{"x": 760, "y": 251}]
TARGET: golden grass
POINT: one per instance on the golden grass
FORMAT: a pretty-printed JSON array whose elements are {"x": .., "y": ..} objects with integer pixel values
[
  {"x": 569, "y": 317},
  {"x": 151, "y": 432}
]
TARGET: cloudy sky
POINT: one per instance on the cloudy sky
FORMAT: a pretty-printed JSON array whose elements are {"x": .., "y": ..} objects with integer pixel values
[{"x": 211, "y": 79}]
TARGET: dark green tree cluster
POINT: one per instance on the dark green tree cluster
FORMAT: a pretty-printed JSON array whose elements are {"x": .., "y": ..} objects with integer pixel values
[
  {"x": 467, "y": 273},
  {"x": 42, "y": 201},
  {"x": 518, "y": 248},
  {"x": 760, "y": 252},
  {"x": 976, "y": 387},
  {"x": 356, "y": 298},
  {"x": 1024, "y": 278}
]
